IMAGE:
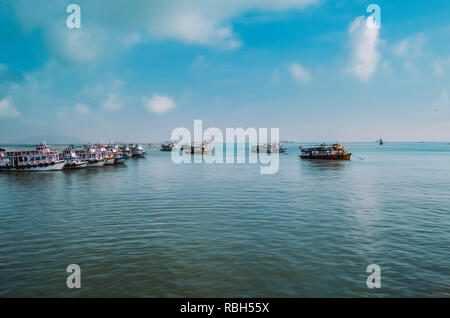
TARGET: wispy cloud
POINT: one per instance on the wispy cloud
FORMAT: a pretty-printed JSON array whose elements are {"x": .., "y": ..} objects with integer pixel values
[
  {"x": 7, "y": 108},
  {"x": 299, "y": 73},
  {"x": 112, "y": 103},
  {"x": 199, "y": 63},
  {"x": 410, "y": 47},
  {"x": 201, "y": 22},
  {"x": 441, "y": 66},
  {"x": 365, "y": 55},
  {"x": 158, "y": 103},
  {"x": 81, "y": 109},
  {"x": 10, "y": 76}
]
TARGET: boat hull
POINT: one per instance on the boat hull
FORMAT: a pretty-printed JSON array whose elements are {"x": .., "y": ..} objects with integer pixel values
[
  {"x": 55, "y": 167},
  {"x": 119, "y": 161},
  {"x": 139, "y": 155},
  {"x": 76, "y": 165},
  {"x": 96, "y": 163},
  {"x": 109, "y": 161},
  {"x": 331, "y": 157}
]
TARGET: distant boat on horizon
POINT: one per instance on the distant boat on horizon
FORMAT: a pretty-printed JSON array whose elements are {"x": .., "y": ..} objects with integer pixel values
[{"x": 380, "y": 141}]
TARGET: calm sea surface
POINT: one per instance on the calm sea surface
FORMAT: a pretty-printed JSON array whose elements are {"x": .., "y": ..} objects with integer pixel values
[{"x": 152, "y": 228}]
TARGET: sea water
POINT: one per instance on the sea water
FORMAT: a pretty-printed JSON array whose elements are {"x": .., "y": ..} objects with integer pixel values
[{"x": 152, "y": 228}]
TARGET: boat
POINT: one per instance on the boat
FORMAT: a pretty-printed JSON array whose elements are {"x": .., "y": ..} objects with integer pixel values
[
  {"x": 120, "y": 159},
  {"x": 198, "y": 148},
  {"x": 72, "y": 160},
  {"x": 277, "y": 148},
  {"x": 325, "y": 152},
  {"x": 263, "y": 148},
  {"x": 269, "y": 148},
  {"x": 177, "y": 146},
  {"x": 93, "y": 155},
  {"x": 168, "y": 146},
  {"x": 126, "y": 151},
  {"x": 380, "y": 141},
  {"x": 138, "y": 151},
  {"x": 40, "y": 159},
  {"x": 4, "y": 160},
  {"x": 110, "y": 158}
]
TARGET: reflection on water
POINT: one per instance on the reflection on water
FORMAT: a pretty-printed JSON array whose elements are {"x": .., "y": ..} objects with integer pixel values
[
  {"x": 324, "y": 165},
  {"x": 154, "y": 228}
]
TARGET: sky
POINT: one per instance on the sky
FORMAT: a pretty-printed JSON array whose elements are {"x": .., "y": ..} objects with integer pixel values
[{"x": 136, "y": 70}]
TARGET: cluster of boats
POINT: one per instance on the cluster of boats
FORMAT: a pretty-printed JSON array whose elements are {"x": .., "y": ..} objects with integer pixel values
[
  {"x": 194, "y": 148},
  {"x": 205, "y": 147},
  {"x": 45, "y": 159},
  {"x": 323, "y": 151},
  {"x": 269, "y": 148}
]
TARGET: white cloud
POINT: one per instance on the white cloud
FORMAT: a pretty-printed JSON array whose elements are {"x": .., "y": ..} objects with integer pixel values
[
  {"x": 130, "y": 39},
  {"x": 112, "y": 103},
  {"x": 202, "y": 22},
  {"x": 7, "y": 108},
  {"x": 158, "y": 104},
  {"x": 364, "y": 42},
  {"x": 410, "y": 47},
  {"x": 77, "y": 45},
  {"x": 194, "y": 27},
  {"x": 81, "y": 109},
  {"x": 299, "y": 73}
]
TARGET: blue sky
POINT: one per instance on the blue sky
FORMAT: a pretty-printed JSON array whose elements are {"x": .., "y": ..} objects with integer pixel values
[{"x": 134, "y": 71}]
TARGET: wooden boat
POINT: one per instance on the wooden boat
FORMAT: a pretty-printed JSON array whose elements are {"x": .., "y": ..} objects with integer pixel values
[{"x": 325, "y": 152}]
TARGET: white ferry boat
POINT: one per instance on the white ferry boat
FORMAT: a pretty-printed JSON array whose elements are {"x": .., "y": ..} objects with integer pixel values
[
  {"x": 126, "y": 151},
  {"x": 92, "y": 155},
  {"x": 120, "y": 159},
  {"x": 40, "y": 159},
  {"x": 72, "y": 160},
  {"x": 138, "y": 151}
]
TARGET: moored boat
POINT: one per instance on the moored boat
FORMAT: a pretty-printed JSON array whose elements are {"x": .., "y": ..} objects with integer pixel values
[
  {"x": 40, "y": 159},
  {"x": 170, "y": 146},
  {"x": 120, "y": 159},
  {"x": 138, "y": 151},
  {"x": 198, "y": 148},
  {"x": 93, "y": 155},
  {"x": 126, "y": 151},
  {"x": 326, "y": 152},
  {"x": 72, "y": 160},
  {"x": 269, "y": 148},
  {"x": 110, "y": 159}
]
